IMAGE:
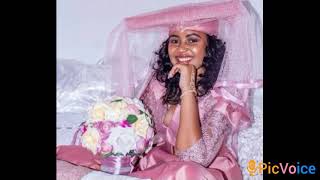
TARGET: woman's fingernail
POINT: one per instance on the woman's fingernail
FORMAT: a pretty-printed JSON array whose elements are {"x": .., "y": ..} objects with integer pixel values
[{"x": 169, "y": 76}]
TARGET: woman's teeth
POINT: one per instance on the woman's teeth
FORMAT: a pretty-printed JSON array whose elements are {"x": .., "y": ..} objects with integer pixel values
[{"x": 184, "y": 59}]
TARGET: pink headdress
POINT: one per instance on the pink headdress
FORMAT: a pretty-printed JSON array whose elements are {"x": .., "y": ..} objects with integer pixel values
[
  {"x": 210, "y": 27},
  {"x": 131, "y": 45}
]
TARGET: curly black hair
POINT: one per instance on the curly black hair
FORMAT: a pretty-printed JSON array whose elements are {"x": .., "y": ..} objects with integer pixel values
[{"x": 212, "y": 61}]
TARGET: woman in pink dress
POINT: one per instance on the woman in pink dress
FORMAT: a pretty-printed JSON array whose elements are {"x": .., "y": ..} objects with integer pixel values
[
  {"x": 190, "y": 120},
  {"x": 198, "y": 89},
  {"x": 189, "y": 113}
]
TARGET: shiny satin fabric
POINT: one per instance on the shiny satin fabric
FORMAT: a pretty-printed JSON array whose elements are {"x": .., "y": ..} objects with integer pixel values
[
  {"x": 79, "y": 156},
  {"x": 159, "y": 164}
]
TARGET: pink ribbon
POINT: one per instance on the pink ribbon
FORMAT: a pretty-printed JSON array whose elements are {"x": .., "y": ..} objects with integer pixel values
[
  {"x": 118, "y": 165},
  {"x": 248, "y": 85},
  {"x": 75, "y": 136}
]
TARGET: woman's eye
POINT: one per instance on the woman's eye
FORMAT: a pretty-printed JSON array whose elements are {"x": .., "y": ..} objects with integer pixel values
[
  {"x": 193, "y": 40},
  {"x": 173, "y": 41}
]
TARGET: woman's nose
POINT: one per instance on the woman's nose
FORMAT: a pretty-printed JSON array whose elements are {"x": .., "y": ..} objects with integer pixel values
[{"x": 182, "y": 47}]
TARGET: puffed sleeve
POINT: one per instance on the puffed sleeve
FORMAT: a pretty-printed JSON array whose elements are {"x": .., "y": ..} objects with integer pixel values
[
  {"x": 214, "y": 130},
  {"x": 225, "y": 113}
]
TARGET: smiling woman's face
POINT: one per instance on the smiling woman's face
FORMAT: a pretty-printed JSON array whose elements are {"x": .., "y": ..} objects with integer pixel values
[{"x": 187, "y": 47}]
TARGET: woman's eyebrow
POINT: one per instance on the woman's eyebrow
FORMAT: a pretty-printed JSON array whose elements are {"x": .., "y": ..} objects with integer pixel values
[
  {"x": 193, "y": 34},
  {"x": 173, "y": 36}
]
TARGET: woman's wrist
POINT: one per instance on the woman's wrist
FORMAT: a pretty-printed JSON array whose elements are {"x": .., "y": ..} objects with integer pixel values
[
  {"x": 189, "y": 91},
  {"x": 192, "y": 83}
]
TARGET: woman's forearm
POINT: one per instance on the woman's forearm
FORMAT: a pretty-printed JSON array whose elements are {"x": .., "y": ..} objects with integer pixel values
[{"x": 189, "y": 131}]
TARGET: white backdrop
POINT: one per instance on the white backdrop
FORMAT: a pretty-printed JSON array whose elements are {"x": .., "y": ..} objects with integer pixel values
[{"x": 83, "y": 25}]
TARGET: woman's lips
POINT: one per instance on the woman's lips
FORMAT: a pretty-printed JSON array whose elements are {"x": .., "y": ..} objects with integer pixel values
[{"x": 184, "y": 60}]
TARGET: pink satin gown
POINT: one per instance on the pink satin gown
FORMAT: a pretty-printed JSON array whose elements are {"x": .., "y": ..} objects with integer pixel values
[{"x": 209, "y": 158}]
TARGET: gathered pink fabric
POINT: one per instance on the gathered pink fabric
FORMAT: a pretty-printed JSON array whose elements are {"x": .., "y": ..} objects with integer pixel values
[
  {"x": 79, "y": 156},
  {"x": 211, "y": 157},
  {"x": 210, "y": 27}
]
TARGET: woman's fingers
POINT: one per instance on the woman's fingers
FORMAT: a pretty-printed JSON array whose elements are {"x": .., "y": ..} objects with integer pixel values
[
  {"x": 182, "y": 68},
  {"x": 174, "y": 70}
]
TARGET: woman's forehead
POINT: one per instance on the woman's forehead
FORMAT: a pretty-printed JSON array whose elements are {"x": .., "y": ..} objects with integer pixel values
[{"x": 186, "y": 32}]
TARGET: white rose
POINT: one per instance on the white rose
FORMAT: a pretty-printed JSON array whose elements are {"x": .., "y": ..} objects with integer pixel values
[
  {"x": 116, "y": 98},
  {"x": 90, "y": 140},
  {"x": 122, "y": 140},
  {"x": 120, "y": 104},
  {"x": 116, "y": 111},
  {"x": 138, "y": 103},
  {"x": 129, "y": 100},
  {"x": 97, "y": 112},
  {"x": 115, "y": 114},
  {"x": 141, "y": 126}
]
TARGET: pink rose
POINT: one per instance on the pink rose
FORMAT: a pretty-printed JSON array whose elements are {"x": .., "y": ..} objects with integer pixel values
[
  {"x": 106, "y": 148},
  {"x": 150, "y": 133},
  {"x": 133, "y": 109},
  {"x": 106, "y": 127},
  {"x": 83, "y": 129},
  {"x": 125, "y": 123},
  {"x": 141, "y": 144}
]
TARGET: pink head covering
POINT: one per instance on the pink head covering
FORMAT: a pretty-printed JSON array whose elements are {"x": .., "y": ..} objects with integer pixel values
[
  {"x": 131, "y": 45},
  {"x": 210, "y": 27},
  {"x": 200, "y": 17}
]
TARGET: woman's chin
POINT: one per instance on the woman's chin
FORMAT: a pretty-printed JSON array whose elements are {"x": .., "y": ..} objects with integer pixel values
[{"x": 184, "y": 62}]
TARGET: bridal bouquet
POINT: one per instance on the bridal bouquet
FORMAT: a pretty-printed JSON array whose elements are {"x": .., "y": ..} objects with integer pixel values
[{"x": 120, "y": 130}]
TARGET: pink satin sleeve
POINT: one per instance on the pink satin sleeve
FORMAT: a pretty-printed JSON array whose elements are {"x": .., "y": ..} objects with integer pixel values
[{"x": 214, "y": 127}]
